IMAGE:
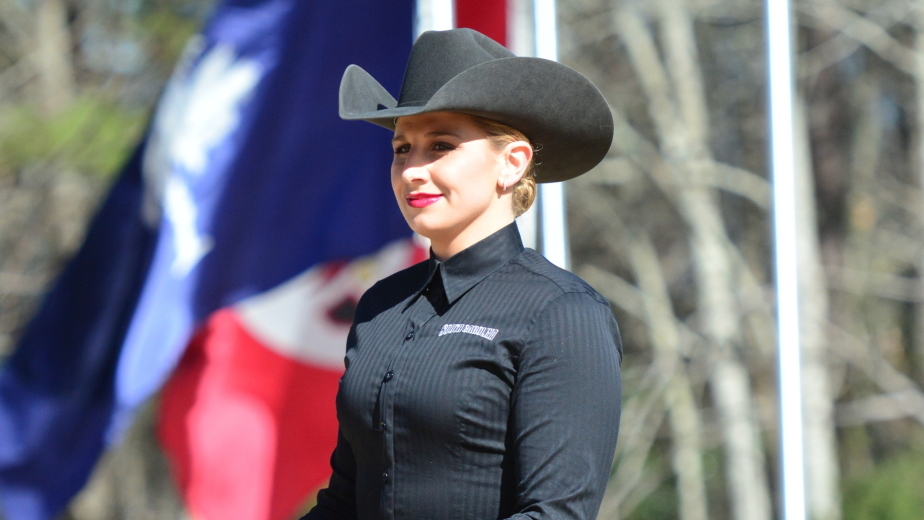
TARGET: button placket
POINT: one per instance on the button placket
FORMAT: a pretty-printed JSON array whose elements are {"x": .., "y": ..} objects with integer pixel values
[
  {"x": 419, "y": 314},
  {"x": 378, "y": 420},
  {"x": 380, "y": 413}
]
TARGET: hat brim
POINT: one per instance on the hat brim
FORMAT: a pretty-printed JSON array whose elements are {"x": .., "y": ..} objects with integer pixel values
[{"x": 559, "y": 110}]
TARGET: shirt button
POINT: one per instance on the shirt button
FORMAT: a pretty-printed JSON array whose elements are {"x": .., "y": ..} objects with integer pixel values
[
  {"x": 388, "y": 376},
  {"x": 384, "y": 476},
  {"x": 381, "y": 425},
  {"x": 409, "y": 336}
]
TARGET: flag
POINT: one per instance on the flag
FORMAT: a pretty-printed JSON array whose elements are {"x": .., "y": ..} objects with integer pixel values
[
  {"x": 489, "y": 17},
  {"x": 223, "y": 268}
]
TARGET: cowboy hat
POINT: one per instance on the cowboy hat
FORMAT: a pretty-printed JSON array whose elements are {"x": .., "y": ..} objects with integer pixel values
[{"x": 461, "y": 70}]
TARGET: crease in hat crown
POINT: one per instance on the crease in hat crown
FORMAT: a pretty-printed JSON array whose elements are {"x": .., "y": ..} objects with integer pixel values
[{"x": 462, "y": 70}]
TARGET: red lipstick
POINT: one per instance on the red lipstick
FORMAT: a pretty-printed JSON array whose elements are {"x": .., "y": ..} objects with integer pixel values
[{"x": 422, "y": 200}]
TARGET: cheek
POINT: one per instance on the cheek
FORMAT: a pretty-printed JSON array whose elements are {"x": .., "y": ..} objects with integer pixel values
[
  {"x": 488, "y": 176},
  {"x": 477, "y": 194},
  {"x": 395, "y": 179},
  {"x": 397, "y": 189}
]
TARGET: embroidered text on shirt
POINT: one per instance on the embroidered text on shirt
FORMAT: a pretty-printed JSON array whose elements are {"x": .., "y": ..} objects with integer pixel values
[{"x": 484, "y": 332}]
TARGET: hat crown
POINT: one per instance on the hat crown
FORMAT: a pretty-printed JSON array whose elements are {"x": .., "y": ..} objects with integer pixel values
[
  {"x": 464, "y": 71},
  {"x": 439, "y": 56}
]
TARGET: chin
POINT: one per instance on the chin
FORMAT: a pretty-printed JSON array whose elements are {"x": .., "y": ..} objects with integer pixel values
[
  {"x": 424, "y": 231},
  {"x": 426, "y": 228}
]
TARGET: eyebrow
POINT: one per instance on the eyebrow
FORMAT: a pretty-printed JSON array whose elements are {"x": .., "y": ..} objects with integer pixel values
[{"x": 435, "y": 133}]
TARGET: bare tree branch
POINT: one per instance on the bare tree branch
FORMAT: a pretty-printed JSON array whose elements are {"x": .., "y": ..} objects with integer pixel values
[
  {"x": 902, "y": 394},
  {"x": 882, "y": 285},
  {"x": 841, "y": 46},
  {"x": 862, "y": 29},
  {"x": 889, "y": 406},
  {"x": 684, "y": 418}
]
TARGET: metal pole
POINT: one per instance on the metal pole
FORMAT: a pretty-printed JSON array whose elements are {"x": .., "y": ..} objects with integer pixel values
[
  {"x": 551, "y": 196},
  {"x": 779, "y": 48},
  {"x": 433, "y": 15},
  {"x": 521, "y": 39}
]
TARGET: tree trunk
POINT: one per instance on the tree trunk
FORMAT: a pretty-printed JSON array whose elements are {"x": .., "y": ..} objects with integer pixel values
[
  {"x": 681, "y": 121},
  {"x": 683, "y": 414},
  {"x": 917, "y": 334},
  {"x": 52, "y": 56}
]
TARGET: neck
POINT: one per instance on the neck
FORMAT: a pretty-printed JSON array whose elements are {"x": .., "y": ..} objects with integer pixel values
[{"x": 445, "y": 247}]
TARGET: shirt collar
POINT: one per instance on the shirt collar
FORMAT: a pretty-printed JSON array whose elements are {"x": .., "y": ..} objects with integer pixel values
[{"x": 465, "y": 269}]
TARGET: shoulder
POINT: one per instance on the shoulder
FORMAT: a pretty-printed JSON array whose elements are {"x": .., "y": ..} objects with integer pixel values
[
  {"x": 555, "y": 281},
  {"x": 570, "y": 312},
  {"x": 392, "y": 290},
  {"x": 416, "y": 273}
]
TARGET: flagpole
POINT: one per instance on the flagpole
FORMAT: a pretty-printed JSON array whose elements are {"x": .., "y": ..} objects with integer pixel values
[
  {"x": 779, "y": 47},
  {"x": 433, "y": 15},
  {"x": 521, "y": 39},
  {"x": 552, "y": 195}
]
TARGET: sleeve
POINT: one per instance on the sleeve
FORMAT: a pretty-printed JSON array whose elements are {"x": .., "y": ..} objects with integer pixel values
[
  {"x": 338, "y": 500},
  {"x": 565, "y": 409}
]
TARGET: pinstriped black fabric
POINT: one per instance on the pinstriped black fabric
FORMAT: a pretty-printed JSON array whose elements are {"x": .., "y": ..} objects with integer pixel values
[{"x": 486, "y": 386}]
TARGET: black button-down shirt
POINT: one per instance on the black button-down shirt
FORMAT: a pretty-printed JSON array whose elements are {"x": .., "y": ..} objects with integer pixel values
[{"x": 486, "y": 386}]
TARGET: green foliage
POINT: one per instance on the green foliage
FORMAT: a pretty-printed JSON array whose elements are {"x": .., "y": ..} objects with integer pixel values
[
  {"x": 660, "y": 505},
  {"x": 894, "y": 491},
  {"x": 169, "y": 31},
  {"x": 93, "y": 136}
]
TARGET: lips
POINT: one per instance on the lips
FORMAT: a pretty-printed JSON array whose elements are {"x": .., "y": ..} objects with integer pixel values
[{"x": 422, "y": 200}]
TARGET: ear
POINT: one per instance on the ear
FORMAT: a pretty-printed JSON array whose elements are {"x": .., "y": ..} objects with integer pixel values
[{"x": 516, "y": 158}]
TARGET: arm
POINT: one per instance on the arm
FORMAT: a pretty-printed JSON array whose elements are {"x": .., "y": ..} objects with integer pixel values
[
  {"x": 565, "y": 410},
  {"x": 338, "y": 500}
]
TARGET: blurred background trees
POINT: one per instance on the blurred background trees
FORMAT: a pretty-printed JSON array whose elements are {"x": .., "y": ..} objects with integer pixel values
[
  {"x": 78, "y": 80},
  {"x": 673, "y": 228}
]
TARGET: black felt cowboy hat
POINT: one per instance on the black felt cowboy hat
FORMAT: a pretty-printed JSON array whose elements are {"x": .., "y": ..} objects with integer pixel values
[{"x": 559, "y": 110}]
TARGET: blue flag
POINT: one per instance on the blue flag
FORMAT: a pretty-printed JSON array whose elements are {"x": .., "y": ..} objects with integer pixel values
[{"x": 247, "y": 177}]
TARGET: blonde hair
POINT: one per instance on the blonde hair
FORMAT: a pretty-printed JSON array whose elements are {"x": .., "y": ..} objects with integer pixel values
[{"x": 500, "y": 135}]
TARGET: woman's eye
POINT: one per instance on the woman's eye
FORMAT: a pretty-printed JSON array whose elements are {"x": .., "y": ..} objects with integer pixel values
[
  {"x": 403, "y": 149},
  {"x": 443, "y": 147}
]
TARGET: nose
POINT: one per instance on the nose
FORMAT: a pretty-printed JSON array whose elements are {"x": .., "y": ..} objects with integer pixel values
[
  {"x": 414, "y": 168},
  {"x": 414, "y": 174}
]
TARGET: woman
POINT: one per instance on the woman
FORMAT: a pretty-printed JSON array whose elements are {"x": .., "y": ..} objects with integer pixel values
[{"x": 484, "y": 382}]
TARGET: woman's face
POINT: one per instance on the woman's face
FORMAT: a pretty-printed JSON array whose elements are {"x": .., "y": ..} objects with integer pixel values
[{"x": 450, "y": 181}]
